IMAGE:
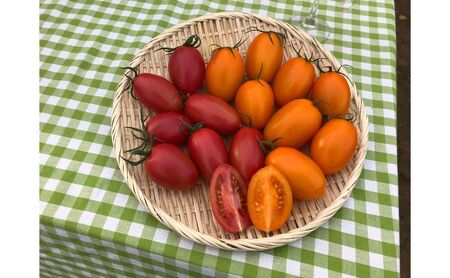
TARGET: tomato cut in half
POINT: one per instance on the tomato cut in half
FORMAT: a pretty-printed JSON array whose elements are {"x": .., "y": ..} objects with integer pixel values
[
  {"x": 269, "y": 199},
  {"x": 228, "y": 194}
]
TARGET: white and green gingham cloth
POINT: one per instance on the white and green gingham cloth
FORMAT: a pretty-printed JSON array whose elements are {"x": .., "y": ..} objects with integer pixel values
[{"x": 90, "y": 223}]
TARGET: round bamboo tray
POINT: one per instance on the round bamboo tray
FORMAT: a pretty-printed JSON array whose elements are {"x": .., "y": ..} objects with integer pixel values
[{"x": 189, "y": 213}]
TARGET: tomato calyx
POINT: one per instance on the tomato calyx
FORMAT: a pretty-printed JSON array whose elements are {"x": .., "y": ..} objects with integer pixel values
[
  {"x": 130, "y": 85},
  {"x": 249, "y": 119},
  {"x": 192, "y": 41},
  {"x": 316, "y": 101},
  {"x": 267, "y": 145},
  {"x": 349, "y": 117},
  {"x": 304, "y": 57},
  {"x": 330, "y": 69},
  {"x": 191, "y": 128},
  {"x": 279, "y": 34},
  {"x": 230, "y": 48}
]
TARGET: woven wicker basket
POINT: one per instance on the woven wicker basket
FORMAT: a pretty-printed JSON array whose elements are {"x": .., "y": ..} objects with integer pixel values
[{"x": 189, "y": 213}]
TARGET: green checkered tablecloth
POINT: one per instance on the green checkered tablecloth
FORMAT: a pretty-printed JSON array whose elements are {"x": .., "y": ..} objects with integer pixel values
[{"x": 91, "y": 224}]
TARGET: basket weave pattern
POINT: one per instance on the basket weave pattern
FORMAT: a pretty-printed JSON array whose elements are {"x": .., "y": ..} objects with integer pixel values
[{"x": 189, "y": 213}]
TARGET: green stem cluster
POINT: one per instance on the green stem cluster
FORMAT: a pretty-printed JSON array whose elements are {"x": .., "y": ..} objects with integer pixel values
[
  {"x": 145, "y": 148},
  {"x": 130, "y": 85}
]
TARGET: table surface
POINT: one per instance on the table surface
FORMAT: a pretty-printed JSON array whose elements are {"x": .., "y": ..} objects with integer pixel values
[{"x": 92, "y": 225}]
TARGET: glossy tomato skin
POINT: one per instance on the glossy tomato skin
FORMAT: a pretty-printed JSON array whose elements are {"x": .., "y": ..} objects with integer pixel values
[
  {"x": 333, "y": 145},
  {"x": 295, "y": 123},
  {"x": 332, "y": 89},
  {"x": 207, "y": 150},
  {"x": 213, "y": 112},
  {"x": 269, "y": 199},
  {"x": 224, "y": 73},
  {"x": 304, "y": 175},
  {"x": 168, "y": 127},
  {"x": 171, "y": 168},
  {"x": 266, "y": 49},
  {"x": 187, "y": 69},
  {"x": 246, "y": 154},
  {"x": 254, "y": 101},
  {"x": 228, "y": 195},
  {"x": 157, "y": 93},
  {"x": 294, "y": 80}
]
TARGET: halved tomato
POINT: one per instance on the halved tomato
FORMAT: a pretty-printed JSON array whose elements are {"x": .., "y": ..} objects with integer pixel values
[
  {"x": 228, "y": 195},
  {"x": 269, "y": 199}
]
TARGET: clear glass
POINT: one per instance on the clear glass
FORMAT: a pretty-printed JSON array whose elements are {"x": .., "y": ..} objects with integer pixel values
[
  {"x": 316, "y": 27},
  {"x": 345, "y": 3}
]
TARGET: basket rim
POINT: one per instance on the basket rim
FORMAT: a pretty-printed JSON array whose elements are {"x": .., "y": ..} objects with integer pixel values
[{"x": 237, "y": 244}]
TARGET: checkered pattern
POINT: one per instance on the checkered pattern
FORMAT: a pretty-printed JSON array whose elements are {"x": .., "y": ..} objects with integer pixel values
[{"x": 91, "y": 225}]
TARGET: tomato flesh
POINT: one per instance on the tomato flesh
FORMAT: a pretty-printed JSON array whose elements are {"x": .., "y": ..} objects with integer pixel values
[
  {"x": 269, "y": 199},
  {"x": 228, "y": 194}
]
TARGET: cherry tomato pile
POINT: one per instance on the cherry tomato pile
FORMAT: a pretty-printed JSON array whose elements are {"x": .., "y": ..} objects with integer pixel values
[{"x": 270, "y": 112}]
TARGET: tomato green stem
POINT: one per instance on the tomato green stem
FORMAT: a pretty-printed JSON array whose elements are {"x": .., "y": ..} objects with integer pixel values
[
  {"x": 239, "y": 43},
  {"x": 130, "y": 86},
  {"x": 191, "y": 128},
  {"x": 347, "y": 116},
  {"x": 230, "y": 48},
  {"x": 249, "y": 119},
  {"x": 279, "y": 34},
  {"x": 267, "y": 145},
  {"x": 297, "y": 51},
  {"x": 330, "y": 69},
  {"x": 316, "y": 101},
  {"x": 259, "y": 74},
  {"x": 192, "y": 41},
  {"x": 145, "y": 148}
]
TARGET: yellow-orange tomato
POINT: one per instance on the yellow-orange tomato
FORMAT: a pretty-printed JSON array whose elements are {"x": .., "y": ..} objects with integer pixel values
[
  {"x": 224, "y": 73},
  {"x": 332, "y": 93},
  {"x": 304, "y": 175},
  {"x": 295, "y": 124},
  {"x": 266, "y": 50},
  {"x": 333, "y": 145},
  {"x": 254, "y": 102},
  {"x": 269, "y": 199},
  {"x": 294, "y": 80}
]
